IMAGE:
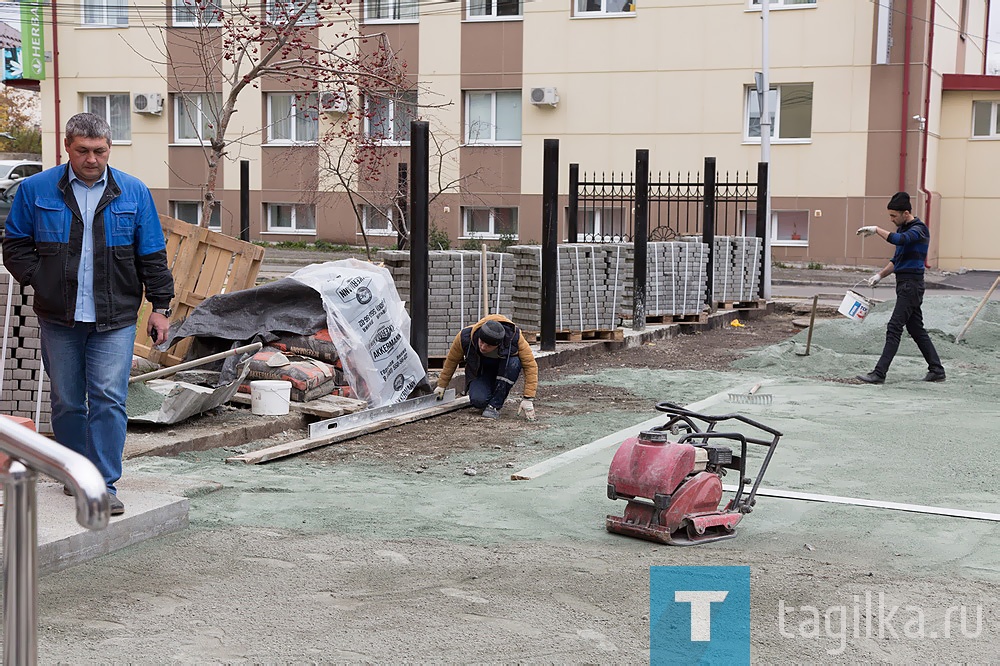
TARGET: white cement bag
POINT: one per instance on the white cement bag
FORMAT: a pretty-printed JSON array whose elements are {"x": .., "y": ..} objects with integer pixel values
[{"x": 363, "y": 306}]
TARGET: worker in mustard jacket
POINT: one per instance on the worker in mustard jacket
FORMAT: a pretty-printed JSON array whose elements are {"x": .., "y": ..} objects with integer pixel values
[{"x": 495, "y": 353}]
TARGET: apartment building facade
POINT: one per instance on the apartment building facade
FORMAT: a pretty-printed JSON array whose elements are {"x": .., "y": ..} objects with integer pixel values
[{"x": 868, "y": 96}]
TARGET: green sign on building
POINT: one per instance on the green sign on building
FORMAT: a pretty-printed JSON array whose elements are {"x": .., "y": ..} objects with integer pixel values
[{"x": 32, "y": 41}]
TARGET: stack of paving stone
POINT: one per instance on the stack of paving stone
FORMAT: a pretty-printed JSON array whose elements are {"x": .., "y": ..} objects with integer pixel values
[
  {"x": 589, "y": 286},
  {"x": 455, "y": 297},
  {"x": 736, "y": 268},
  {"x": 23, "y": 366},
  {"x": 675, "y": 278}
]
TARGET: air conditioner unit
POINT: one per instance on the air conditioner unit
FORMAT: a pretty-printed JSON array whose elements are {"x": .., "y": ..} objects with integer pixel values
[
  {"x": 544, "y": 96},
  {"x": 333, "y": 102},
  {"x": 147, "y": 102}
]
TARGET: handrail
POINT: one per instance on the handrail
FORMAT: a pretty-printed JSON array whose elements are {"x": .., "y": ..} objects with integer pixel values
[{"x": 22, "y": 453}]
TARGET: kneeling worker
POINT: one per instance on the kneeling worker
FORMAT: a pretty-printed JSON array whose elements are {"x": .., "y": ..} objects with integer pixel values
[{"x": 495, "y": 352}]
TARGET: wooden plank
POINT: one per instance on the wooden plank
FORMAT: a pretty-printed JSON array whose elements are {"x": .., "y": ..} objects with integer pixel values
[{"x": 303, "y": 445}]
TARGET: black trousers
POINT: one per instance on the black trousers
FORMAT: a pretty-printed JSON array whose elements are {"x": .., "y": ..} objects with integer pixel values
[
  {"x": 497, "y": 377},
  {"x": 907, "y": 314}
]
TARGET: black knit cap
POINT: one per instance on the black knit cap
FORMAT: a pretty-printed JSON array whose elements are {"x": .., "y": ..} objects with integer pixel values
[
  {"x": 492, "y": 332},
  {"x": 900, "y": 201}
]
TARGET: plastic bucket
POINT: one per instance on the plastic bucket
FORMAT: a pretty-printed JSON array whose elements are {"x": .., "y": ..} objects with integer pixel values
[
  {"x": 855, "y": 306},
  {"x": 270, "y": 397}
]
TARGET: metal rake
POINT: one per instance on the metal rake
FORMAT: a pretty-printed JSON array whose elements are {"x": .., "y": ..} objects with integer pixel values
[{"x": 751, "y": 397}]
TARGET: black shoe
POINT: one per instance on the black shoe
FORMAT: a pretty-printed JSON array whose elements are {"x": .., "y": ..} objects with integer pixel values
[
  {"x": 871, "y": 378},
  {"x": 934, "y": 377},
  {"x": 67, "y": 491},
  {"x": 117, "y": 506}
]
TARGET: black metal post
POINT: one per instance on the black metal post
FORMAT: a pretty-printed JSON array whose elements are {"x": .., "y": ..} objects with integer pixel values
[
  {"x": 708, "y": 229},
  {"x": 550, "y": 241},
  {"x": 402, "y": 228},
  {"x": 572, "y": 230},
  {"x": 244, "y": 200},
  {"x": 641, "y": 237},
  {"x": 420, "y": 161},
  {"x": 763, "y": 215}
]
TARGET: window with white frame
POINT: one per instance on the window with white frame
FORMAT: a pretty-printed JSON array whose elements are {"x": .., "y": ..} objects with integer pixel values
[
  {"x": 390, "y": 11},
  {"x": 280, "y": 11},
  {"x": 291, "y": 218},
  {"x": 115, "y": 109},
  {"x": 485, "y": 10},
  {"x": 105, "y": 12},
  {"x": 604, "y": 7},
  {"x": 378, "y": 220},
  {"x": 195, "y": 116},
  {"x": 607, "y": 224},
  {"x": 788, "y": 228},
  {"x": 195, "y": 13},
  {"x": 388, "y": 117},
  {"x": 489, "y": 222},
  {"x": 493, "y": 117},
  {"x": 986, "y": 120},
  {"x": 783, "y": 4},
  {"x": 790, "y": 108},
  {"x": 292, "y": 118},
  {"x": 190, "y": 212}
]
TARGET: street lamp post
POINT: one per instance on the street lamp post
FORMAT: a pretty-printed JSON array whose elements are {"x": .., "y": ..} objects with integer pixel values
[{"x": 764, "y": 88}]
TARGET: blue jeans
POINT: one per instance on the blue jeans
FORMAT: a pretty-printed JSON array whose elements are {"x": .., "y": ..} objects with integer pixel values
[
  {"x": 89, "y": 372},
  {"x": 492, "y": 386}
]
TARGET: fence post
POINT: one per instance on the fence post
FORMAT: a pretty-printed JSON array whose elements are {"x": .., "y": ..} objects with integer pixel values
[
  {"x": 763, "y": 217},
  {"x": 550, "y": 241},
  {"x": 419, "y": 178},
  {"x": 244, "y": 200},
  {"x": 708, "y": 229},
  {"x": 572, "y": 230},
  {"x": 640, "y": 237},
  {"x": 402, "y": 228}
]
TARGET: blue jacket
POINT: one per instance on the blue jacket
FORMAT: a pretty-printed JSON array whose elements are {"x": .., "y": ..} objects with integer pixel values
[
  {"x": 911, "y": 241},
  {"x": 44, "y": 237}
]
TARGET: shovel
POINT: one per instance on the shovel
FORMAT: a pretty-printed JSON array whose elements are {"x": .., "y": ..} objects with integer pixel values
[
  {"x": 812, "y": 321},
  {"x": 163, "y": 372}
]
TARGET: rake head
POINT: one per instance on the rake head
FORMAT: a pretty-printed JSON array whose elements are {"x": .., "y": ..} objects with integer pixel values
[{"x": 751, "y": 398}]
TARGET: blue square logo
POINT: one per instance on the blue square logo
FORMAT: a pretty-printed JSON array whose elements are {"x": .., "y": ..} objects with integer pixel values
[{"x": 699, "y": 615}]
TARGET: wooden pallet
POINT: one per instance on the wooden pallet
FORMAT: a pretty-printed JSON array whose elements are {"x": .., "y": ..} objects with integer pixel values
[
  {"x": 579, "y": 335},
  {"x": 204, "y": 263},
  {"x": 741, "y": 305},
  {"x": 695, "y": 318}
]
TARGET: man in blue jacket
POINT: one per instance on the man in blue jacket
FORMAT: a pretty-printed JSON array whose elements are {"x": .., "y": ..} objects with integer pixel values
[
  {"x": 88, "y": 240},
  {"x": 911, "y": 239}
]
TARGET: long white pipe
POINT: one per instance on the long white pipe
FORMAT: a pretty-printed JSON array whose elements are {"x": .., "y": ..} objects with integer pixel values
[{"x": 765, "y": 134}]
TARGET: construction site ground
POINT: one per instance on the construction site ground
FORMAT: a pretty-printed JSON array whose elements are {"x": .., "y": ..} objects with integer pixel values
[{"x": 414, "y": 544}]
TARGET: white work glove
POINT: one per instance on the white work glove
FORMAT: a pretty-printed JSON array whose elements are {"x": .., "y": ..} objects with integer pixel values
[
  {"x": 867, "y": 231},
  {"x": 874, "y": 280},
  {"x": 527, "y": 408},
  {"x": 439, "y": 392}
]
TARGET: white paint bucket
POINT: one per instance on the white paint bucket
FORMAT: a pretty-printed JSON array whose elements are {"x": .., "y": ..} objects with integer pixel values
[
  {"x": 855, "y": 306},
  {"x": 270, "y": 397}
]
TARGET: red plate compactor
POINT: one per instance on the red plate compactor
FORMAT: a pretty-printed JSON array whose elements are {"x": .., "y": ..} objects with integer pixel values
[{"x": 674, "y": 488}]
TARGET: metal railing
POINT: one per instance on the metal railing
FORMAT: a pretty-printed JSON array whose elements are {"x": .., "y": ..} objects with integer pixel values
[{"x": 23, "y": 453}]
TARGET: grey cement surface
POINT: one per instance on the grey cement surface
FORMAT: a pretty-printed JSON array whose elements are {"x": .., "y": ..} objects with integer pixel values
[{"x": 299, "y": 562}]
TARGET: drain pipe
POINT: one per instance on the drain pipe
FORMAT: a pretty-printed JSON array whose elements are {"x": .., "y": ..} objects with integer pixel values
[
  {"x": 986, "y": 39},
  {"x": 927, "y": 115},
  {"x": 905, "y": 114},
  {"x": 55, "y": 81}
]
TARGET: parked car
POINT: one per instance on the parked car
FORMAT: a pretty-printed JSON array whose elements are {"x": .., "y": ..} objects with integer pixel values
[
  {"x": 13, "y": 170},
  {"x": 6, "y": 199}
]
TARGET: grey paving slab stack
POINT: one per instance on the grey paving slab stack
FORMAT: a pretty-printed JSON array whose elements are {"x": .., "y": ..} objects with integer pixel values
[
  {"x": 736, "y": 268},
  {"x": 19, "y": 393},
  {"x": 455, "y": 297},
  {"x": 676, "y": 278}
]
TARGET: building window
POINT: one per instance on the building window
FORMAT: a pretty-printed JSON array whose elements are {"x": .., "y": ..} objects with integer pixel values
[
  {"x": 105, "y": 12},
  {"x": 190, "y": 212},
  {"x": 389, "y": 11},
  {"x": 602, "y": 225},
  {"x": 196, "y": 13},
  {"x": 291, "y": 218},
  {"x": 493, "y": 117},
  {"x": 115, "y": 109},
  {"x": 279, "y": 11},
  {"x": 195, "y": 116},
  {"x": 784, "y": 4},
  {"x": 790, "y": 108},
  {"x": 292, "y": 118},
  {"x": 378, "y": 220},
  {"x": 387, "y": 118},
  {"x": 789, "y": 228},
  {"x": 986, "y": 120},
  {"x": 489, "y": 222},
  {"x": 604, "y": 7},
  {"x": 485, "y": 10}
]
